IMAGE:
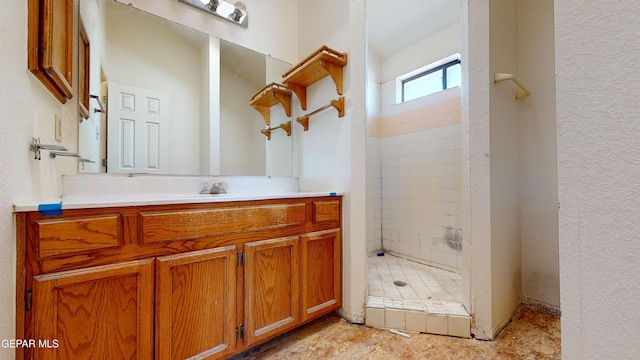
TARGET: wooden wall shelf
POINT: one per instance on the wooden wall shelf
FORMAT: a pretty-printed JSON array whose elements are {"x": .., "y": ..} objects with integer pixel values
[
  {"x": 322, "y": 62},
  {"x": 268, "y": 96}
]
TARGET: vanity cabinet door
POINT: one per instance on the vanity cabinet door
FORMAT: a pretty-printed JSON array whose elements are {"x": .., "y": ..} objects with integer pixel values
[
  {"x": 272, "y": 287},
  {"x": 195, "y": 299},
  {"x": 321, "y": 273},
  {"x": 103, "y": 312}
]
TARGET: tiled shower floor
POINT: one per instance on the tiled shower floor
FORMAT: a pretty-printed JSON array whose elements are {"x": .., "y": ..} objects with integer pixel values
[{"x": 430, "y": 302}]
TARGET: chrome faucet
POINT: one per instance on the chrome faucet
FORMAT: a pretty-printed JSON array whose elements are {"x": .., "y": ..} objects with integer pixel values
[{"x": 218, "y": 188}]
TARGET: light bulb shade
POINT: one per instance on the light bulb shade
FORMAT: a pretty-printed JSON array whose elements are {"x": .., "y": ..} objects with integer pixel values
[
  {"x": 239, "y": 5},
  {"x": 239, "y": 9}
]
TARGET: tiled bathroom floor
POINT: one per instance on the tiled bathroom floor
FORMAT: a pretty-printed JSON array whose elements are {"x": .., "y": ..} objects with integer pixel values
[{"x": 429, "y": 293}]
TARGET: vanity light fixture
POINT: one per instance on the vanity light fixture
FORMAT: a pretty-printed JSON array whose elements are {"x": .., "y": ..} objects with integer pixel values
[
  {"x": 211, "y": 4},
  {"x": 239, "y": 10},
  {"x": 235, "y": 13}
]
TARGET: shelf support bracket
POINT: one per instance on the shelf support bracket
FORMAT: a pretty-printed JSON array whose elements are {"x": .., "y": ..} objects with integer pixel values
[
  {"x": 265, "y": 112},
  {"x": 335, "y": 72},
  {"x": 301, "y": 93},
  {"x": 285, "y": 100}
]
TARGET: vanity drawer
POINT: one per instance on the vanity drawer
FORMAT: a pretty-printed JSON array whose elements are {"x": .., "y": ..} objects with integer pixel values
[
  {"x": 326, "y": 211},
  {"x": 187, "y": 224},
  {"x": 69, "y": 236}
]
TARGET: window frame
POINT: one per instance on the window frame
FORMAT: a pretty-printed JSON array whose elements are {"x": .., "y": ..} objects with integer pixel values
[{"x": 428, "y": 71}]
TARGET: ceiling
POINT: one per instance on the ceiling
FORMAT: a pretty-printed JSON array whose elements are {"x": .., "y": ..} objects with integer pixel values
[{"x": 395, "y": 24}]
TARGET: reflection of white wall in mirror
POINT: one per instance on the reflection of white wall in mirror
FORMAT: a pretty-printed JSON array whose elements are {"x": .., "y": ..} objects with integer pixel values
[
  {"x": 278, "y": 159},
  {"x": 209, "y": 108},
  {"x": 242, "y": 144},
  {"x": 172, "y": 66},
  {"x": 89, "y": 145},
  {"x": 279, "y": 150},
  {"x": 273, "y": 29},
  {"x": 275, "y": 69}
]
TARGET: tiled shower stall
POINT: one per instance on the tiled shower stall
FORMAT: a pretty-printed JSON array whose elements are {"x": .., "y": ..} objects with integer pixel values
[
  {"x": 415, "y": 171},
  {"x": 421, "y": 187},
  {"x": 415, "y": 180}
]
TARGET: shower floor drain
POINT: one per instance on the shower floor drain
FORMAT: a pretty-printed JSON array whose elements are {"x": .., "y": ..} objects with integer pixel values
[{"x": 399, "y": 283}]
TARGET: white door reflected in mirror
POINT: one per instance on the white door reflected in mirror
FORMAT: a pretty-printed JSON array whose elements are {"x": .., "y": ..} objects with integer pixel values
[{"x": 138, "y": 130}]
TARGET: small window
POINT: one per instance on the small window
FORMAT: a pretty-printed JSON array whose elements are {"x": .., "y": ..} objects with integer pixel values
[{"x": 432, "y": 80}]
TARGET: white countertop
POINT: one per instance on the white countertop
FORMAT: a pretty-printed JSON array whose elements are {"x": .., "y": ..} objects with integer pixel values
[
  {"x": 97, "y": 191},
  {"x": 161, "y": 199}
]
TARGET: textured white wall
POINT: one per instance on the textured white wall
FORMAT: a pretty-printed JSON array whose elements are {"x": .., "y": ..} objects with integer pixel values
[
  {"x": 476, "y": 114},
  {"x": 27, "y": 110},
  {"x": 597, "y": 77},
  {"x": 443, "y": 43},
  {"x": 521, "y": 161},
  {"x": 537, "y": 152},
  {"x": 331, "y": 155},
  {"x": 465, "y": 180},
  {"x": 509, "y": 191},
  {"x": 506, "y": 253}
]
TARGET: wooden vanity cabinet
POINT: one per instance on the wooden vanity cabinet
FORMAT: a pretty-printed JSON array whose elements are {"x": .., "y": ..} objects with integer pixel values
[{"x": 202, "y": 281}]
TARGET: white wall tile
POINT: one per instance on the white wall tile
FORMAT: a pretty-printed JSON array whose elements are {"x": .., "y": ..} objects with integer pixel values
[
  {"x": 416, "y": 321},
  {"x": 375, "y": 317},
  {"x": 437, "y": 324},
  {"x": 459, "y": 326},
  {"x": 395, "y": 319},
  {"x": 420, "y": 190}
]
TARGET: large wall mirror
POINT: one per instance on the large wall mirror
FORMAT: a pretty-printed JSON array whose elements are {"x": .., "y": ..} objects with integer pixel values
[{"x": 176, "y": 100}]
